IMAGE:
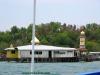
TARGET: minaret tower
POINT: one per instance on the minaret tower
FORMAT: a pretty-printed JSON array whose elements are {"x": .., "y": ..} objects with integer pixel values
[
  {"x": 82, "y": 48},
  {"x": 82, "y": 41}
]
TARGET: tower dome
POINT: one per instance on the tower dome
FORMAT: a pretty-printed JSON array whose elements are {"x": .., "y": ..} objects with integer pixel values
[
  {"x": 82, "y": 33},
  {"x": 11, "y": 46},
  {"x": 36, "y": 41}
]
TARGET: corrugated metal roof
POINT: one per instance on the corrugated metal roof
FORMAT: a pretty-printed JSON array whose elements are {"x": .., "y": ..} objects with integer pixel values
[{"x": 41, "y": 47}]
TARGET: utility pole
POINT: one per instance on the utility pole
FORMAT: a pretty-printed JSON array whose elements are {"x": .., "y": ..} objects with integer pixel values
[{"x": 33, "y": 37}]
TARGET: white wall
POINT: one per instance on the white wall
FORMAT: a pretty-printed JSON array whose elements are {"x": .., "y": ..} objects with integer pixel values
[
  {"x": 43, "y": 55},
  {"x": 19, "y": 54},
  {"x": 67, "y": 54},
  {"x": 26, "y": 54}
]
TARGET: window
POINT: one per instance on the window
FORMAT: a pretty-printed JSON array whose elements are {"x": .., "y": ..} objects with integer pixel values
[
  {"x": 13, "y": 52},
  {"x": 38, "y": 52},
  {"x": 69, "y": 51},
  {"x": 75, "y": 53},
  {"x": 30, "y": 52}
]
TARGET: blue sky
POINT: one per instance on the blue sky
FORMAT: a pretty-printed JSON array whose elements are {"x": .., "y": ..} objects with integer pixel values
[{"x": 20, "y": 12}]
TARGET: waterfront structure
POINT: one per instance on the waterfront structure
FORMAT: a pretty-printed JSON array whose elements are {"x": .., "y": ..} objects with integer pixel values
[
  {"x": 95, "y": 55},
  {"x": 12, "y": 53},
  {"x": 42, "y": 53}
]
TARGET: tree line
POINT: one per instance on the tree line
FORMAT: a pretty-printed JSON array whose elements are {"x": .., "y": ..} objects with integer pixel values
[{"x": 53, "y": 33}]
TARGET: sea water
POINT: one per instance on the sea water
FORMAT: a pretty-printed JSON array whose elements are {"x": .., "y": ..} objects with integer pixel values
[{"x": 75, "y": 68}]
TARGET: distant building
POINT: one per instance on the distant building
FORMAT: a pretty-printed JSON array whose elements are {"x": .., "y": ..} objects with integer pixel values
[
  {"x": 95, "y": 55},
  {"x": 42, "y": 53}
]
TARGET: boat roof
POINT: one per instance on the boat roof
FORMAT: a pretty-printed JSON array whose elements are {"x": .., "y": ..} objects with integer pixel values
[{"x": 41, "y": 47}]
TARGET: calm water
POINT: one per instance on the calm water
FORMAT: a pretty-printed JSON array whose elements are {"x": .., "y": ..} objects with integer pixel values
[{"x": 54, "y": 68}]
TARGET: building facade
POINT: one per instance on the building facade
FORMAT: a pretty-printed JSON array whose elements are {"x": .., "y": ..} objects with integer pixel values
[{"x": 43, "y": 53}]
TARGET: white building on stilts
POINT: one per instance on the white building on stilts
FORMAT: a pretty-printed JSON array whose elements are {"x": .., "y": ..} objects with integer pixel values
[{"x": 43, "y": 53}]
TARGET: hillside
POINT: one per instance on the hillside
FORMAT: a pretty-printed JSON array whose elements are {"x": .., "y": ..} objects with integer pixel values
[{"x": 53, "y": 33}]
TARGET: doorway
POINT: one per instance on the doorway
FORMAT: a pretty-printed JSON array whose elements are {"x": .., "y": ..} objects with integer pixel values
[{"x": 50, "y": 54}]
